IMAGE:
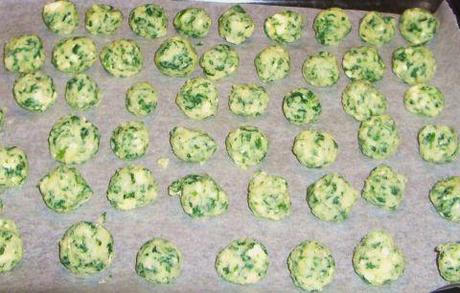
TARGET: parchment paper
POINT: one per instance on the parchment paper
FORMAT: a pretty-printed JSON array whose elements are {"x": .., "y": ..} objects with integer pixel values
[{"x": 417, "y": 228}]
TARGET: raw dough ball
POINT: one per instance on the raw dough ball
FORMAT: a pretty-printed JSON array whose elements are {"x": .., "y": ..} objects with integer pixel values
[
  {"x": 219, "y": 61},
  {"x": 243, "y": 261},
  {"x": 11, "y": 246},
  {"x": 148, "y": 21},
  {"x": 418, "y": 26},
  {"x": 268, "y": 196},
  {"x": 64, "y": 189},
  {"x": 301, "y": 106},
  {"x": 384, "y": 188},
  {"x": 102, "y": 19},
  {"x": 192, "y": 145},
  {"x": 321, "y": 69},
  {"x": 14, "y": 167},
  {"x": 315, "y": 149},
  {"x": 414, "y": 64},
  {"x": 141, "y": 99},
  {"x": 74, "y": 55},
  {"x": 331, "y": 198},
  {"x": 311, "y": 265},
  {"x": 61, "y": 17},
  {"x": 377, "y": 259},
  {"x": 445, "y": 196},
  {"x": 86, "y": 248},
  {"x": 424, "y": 100},
  {"x": 122, "y": 58},
  {"x": 159, "y": 261},
  {"x": 363, "y": 63},
  {"x": 378, "y": 137},
  {"x": 198, "y": 98},
  {"x": 362, "y": 100},
  {"x": 236, "y": 25},
  {"x": 449, "y": 261},
  {"x": 248, "y": 100},
  {"x": 376, "y": 29},
  {"x": 176, "y": 57},
  {"x": 200, "y": 196},
  {"x": 73, "y": 140},
  {"x": 331, "y": 26},
  {"x": 193, "y": 22},
  {"x": 82, "y": 92},
  {"x": 130, "y": 140},
  {"x": 132, "y": 187},
  {"x": 34, "y": 92},
  {"x": 273, "y": 63},
  {"x": 438, "y": 144},
  {"x": 284, "y": 27},
  {"x": 24, "y": 54},
  {"x": 247, "y": 146}
]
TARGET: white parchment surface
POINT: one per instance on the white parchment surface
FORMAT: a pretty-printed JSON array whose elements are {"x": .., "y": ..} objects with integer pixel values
[{"x": 417, "y": 228}]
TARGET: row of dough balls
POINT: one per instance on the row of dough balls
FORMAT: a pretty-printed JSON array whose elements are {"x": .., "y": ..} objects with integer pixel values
[
  {"x": 330, "y": 198},
  {"x": 331, "y": 26},
  {"x": 87, "y": 248}
]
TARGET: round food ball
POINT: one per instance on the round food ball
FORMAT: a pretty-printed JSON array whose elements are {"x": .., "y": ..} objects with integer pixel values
[
  {"x": 132, "y": 187},
  {"x": 141, "y": 99},
  {"x": 159, "y": 261},
  {"x": 122, "y": 58},
  {"x": 445, "y": 196},
  {"x": 362, "y": 100},
  {"x": 243, "y": 261},
  {"x": 11, "y": 244},
  {"x": 200, "y": 196},
  {"x": 24, "y": 54},
  {"x": 363, "y": 63},
  {"x": 268, "y": 196},
  {"x": 219, "y": 61},
  {"x": 414, "y": 65},
  {"x": 102, "y": 19},
  {"x": 376, "y": 29},
  {"x": 130, "y": 140},
  {"x": 236, "y": 25},
  {"x": 198, "y": 98},
  {"x": 331, "y": 198},
  {"x": 247, "y": 146},
  {"x": 438, "y": 144},
  {"x": 449, "y": 261},
  {"x": 301, "y": 106},
  {"x": 14, "y": 167},
  {"x": 176, "y": 57},
  {"x": 64, "y": 189},
  {"x": 82, "y": 92},
  {"x": 192, "y": 145},
  {"x": 148, "y": 21},
  {"x": 86, "y": 248},
  {"x": 378, "y": 137},
  {"x": 73, "y": 140},
  {"x": 384, "y": 188},
  {"x": 321, "y": 69},
  {"x": 424, "y": 100},
  {"x": 315, "y": 149},
  {"x": 311, "y": 265},
  {"x": 284, "y": 27},
  {"x": 418, "y": 26},
  {"x": 272, "y": 63},
  {"x": 248, "y": 100},
  {"x": 193, "y": 22},
  {"x": 61, "y": 17},
  {"x": 378, "y": 260},
  {"x": 331, "y": 26},
  {"x": 34, "y": 92}
]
